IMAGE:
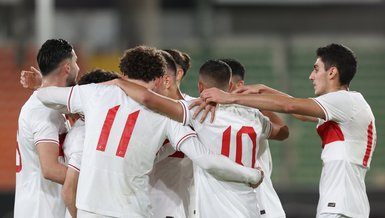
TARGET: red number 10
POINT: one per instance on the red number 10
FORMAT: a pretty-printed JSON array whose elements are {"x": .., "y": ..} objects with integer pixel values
[
  {"x": 126, "y": 135},
  {"x": 238, "y": 153}
]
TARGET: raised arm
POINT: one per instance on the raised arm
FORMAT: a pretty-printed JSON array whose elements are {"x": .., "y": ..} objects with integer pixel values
[
  {"x": 153, "y": 101},
  {"x": 218, "y": 165},
  {"x": 55, "y": 97},
  {"x": 271, "y": 102},
  {"x": 31, "y": 79}
]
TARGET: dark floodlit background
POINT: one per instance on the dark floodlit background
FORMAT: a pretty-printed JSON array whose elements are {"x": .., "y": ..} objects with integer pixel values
[{"x": 275, "y": 40}]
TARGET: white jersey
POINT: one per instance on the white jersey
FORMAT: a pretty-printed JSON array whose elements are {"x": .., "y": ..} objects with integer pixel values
[
  {"x": 121, "y": 142},
  {"x": 171, "y": 180},
  {"x": 234, "y": 133},
  {"x": 268, "y": 201},
  {"x": 348, "y": 137},
  {"x": 36, "y": 196},
  {"x": 73, "y": 145}
]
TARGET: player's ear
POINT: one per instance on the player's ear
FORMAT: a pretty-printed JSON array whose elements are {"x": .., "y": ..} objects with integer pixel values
[
  {"x": 201, "y": 87},
  {"x": 231, "y": 86}
]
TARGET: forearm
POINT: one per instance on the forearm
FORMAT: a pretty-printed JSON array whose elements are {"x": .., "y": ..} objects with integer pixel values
[
  {"x": 55, "y": 172},
  {"x": 153, "y": 101},
  {"x": 219, "y": 166},
  {"x": 69, "y": 191}
]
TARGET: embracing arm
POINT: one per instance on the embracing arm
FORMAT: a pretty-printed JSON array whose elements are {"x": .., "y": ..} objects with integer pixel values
[
  {"x": 219, "y": 166},
  {"x": 277, "y": 103},
  {"x": 279, "y": 131},
  {"x": 55, "y": 97},
  {"x": 153, "y": 101}
]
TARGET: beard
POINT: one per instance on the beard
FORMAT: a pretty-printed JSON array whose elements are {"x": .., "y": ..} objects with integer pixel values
[{"x": 70, "y": 80}]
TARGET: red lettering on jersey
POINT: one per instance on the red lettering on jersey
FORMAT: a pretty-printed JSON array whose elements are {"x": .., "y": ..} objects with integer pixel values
[
  {"x": 110, "y": 117},
  {"x": 20, "y": 165},
  {"x": 330, "y": 132},
  {"x": 368, "y": 145},
  {"x": 61, "y": 142},
  {"x": 126, "y": 136}
]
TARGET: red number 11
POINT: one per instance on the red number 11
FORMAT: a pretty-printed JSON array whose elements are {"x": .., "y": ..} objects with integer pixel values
[{"x": 126, "y": 135}]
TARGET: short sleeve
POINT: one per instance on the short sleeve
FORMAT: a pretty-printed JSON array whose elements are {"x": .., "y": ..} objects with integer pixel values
[
  {"x": 336, "y": 105},
  {"x": 186, "y": 113},
  {"x": 48, "y": 127},
  {"x": 177, "y": 133},
  {"x": 266, "y": 125},
  {"x": 79, "y": 96}
]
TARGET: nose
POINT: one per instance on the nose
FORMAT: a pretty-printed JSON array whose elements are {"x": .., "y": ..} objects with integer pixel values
[{"x": 311, "y": 77}]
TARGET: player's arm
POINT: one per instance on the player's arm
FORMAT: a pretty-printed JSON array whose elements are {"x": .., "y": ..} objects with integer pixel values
[
  {"x": 279, "y": 130},
  {"x": 217, "y": 165},
  {"x": 153, "y": 101},
  {"x": 31, "y": 79},
  {"x": 55, "y": 97},
  {"x": 271, "y": 102},
  {"x": 69, "y": 190},
  {"x": 48, "y": 156}
]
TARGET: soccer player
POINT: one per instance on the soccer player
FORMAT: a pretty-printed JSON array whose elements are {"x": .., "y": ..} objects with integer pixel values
[
  {"x": 40, "y": 134},
  {"x": 122, "y": 139},
  {"x": 268, "y": 201},
  {"x": 346, "y": 126},
  {"x": 235, "y": 133},
  {"x": 172, "y": 175},
  {"x": 74, "y": 142}
]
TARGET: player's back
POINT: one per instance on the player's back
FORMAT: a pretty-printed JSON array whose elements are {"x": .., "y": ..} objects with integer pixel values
[
  {"x": 36, "y": 196},
  {"x": 122, "y": 138},
  {"x": 234, "y": 133}
]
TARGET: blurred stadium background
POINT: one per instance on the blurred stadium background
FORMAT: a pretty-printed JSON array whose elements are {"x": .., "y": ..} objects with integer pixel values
[{"x": 275, "y": 40}]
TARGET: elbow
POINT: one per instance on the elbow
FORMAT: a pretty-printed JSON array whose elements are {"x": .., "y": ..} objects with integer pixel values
[
  {"x": 47, "y": 174},
  {"x": 283, "y": 133}
]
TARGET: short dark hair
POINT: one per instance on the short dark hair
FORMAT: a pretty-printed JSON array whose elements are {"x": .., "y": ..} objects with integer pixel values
[
  {"x": 340, "y": 57},
  {"x": 97, "y": 76},
  {"x": 236, "y": 67},
  {"x": 182, "y": 59},
  {"x": 142, "y": 63},
  {"x": 171, "y": 65},
  {"x": 52, "y": 53},
  {"x": 217, "y": 72}
]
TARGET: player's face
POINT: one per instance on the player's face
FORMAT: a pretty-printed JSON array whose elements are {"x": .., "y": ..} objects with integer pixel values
[
  {"x": 74, "y": 70},
  {"x": 319, "y": 77}
]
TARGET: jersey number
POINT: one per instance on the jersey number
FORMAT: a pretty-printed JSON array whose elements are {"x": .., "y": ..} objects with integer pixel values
[
  {"x": 126, "y": 135},
  {"x": 238, "y": 153}
]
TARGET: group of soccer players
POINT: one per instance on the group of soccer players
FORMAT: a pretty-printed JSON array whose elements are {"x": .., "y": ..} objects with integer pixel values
[{"x": 121, "y": 159}]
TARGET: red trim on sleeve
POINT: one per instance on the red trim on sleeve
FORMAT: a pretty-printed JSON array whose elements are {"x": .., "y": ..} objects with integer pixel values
[
  {"x": 184, "y": 113},
  {"x": 369, "y": 145},
  {"x": 46, "y": 140},
  {"x": 73, "y": 167},
  {"x": 69, "y": 99},
  {"x": 184, "y": 138},
  {"x": 323, "y": 108}
]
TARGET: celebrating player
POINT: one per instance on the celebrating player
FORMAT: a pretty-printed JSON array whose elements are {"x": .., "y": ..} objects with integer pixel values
[
  {"x": 122, "y": 139},
  {"x": 346, "y": 126},
  {"x": 41, "y": 131}
]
